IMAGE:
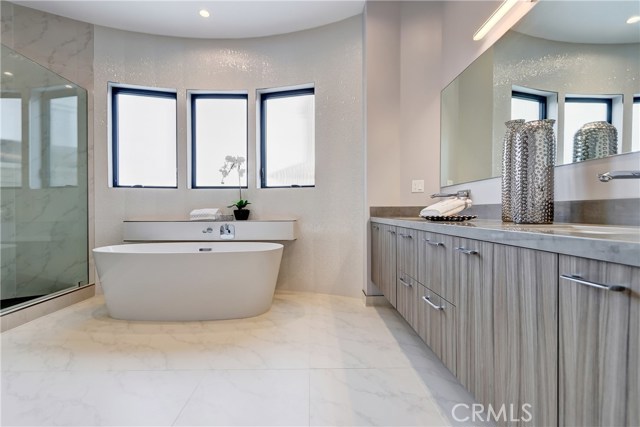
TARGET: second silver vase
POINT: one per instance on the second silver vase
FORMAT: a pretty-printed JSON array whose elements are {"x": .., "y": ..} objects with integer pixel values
[{"x": 532, "y": 163}]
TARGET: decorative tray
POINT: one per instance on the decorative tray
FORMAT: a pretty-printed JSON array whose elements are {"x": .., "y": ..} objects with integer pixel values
[{"x": 450, "y": 218}]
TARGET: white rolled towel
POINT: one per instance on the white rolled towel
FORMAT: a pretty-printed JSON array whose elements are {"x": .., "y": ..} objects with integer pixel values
[
  {"x": 446, "y": 207},
  {"x": 204, "y": 214}
]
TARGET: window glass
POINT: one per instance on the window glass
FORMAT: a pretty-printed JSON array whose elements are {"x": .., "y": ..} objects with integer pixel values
[
  {"x": 63, "y": 137},
  {"x": 11, "y": 142},
  {"x": 144, "y": 138},
  {"x": 219, "y": 129},
  {"x": 526, "y": 109},
  {"x": 288, "y": 139},
  {"x": 635, "y": 131}
]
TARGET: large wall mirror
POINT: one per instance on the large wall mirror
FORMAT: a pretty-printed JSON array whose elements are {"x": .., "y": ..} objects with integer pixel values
[{"x": 577, "y": 62}]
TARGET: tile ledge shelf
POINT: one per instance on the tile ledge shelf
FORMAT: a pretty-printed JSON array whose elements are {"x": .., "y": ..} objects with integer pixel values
[{"x": 185, "y": 231}]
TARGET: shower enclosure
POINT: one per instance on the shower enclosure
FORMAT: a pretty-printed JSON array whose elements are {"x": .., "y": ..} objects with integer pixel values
[{"x": 43, "y": 183}]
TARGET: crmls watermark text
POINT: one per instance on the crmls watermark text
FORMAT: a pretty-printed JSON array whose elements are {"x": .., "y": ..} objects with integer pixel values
[{"x": 479, "y": 412}]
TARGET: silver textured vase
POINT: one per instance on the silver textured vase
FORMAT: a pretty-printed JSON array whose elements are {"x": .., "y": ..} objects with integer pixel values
[
  {"x": 507, "y": 148},
  {"x": 532, "y": 164},
  {"x": 595, "y": 140}
]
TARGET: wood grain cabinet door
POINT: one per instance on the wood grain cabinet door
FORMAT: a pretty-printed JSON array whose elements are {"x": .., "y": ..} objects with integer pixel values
[
  {"x": 471, "y": 271},
  {"x": 434, "y": 257},
  {"x": 598, "y": 363},
  {"x": 436, "y": 325},
  {"x": 376, "y": 255},
  {"x": 408, "y": 299},
  {"x": 407, "y": 246},
  {"x": 387, "y": 263},
  {"x": 525, "y": 328}
]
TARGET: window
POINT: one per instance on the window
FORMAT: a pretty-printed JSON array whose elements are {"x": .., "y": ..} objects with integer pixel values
[
  {"x": 577, "y": 112},
  {"x": 218, "y": 129},
  {"x": 143, "y": 137},
  {"x": 528, "y": 106},
  {"x": 11, "y": 141},
  {"x": 63, "y": 141},
  {"x": 288, "y": 138}
]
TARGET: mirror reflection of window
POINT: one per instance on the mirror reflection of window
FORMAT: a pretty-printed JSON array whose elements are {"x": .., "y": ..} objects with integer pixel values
[
  {"x": 578, "y": 112},
  {"x": 63, "y": 141},
  {"x": 635, "y": 129},
  {"x": 11, "y": 142},
  {"x": 528, "y": 106}
]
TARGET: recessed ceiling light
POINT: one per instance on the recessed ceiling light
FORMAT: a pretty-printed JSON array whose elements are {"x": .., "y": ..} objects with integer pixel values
[
  {"x": 68, "y": 86},
  {"x": 8, "y": 73},
  {"x": 633, "y": 19},
  {"x": 204, "y": 13}
]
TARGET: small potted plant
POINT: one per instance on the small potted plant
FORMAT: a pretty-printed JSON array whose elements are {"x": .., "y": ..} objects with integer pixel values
[{"x": 230, "y": 163}]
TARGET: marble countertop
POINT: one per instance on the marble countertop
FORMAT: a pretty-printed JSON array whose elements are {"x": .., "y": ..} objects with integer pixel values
[{"x": 607, "y": 243}]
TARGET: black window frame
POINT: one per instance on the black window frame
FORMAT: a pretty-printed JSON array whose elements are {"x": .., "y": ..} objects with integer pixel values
[
  {"x": 586, "y": 100},
  {"x": 115, "y": 91},
  {"x": 540, "y": 99},
  {"x": 214, "y": 95},
  {"x": 265, "y": 96}
]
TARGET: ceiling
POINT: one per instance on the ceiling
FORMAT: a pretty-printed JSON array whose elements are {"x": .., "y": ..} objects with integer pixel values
[
  {"x": 599, "y": 22},
  {"x": 229, "y": 19}
]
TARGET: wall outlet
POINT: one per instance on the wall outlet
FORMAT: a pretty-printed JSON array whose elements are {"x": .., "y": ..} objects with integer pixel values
[{"x": 417, "y": 186}]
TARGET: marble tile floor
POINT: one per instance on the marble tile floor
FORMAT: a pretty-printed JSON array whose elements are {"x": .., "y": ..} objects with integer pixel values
[{"x": 312, "y": 360}]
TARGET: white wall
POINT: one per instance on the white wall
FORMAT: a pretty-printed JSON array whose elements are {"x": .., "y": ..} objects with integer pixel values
[
  {"x": 402, "y": 98},
  {"x": 328, "y": 256}
]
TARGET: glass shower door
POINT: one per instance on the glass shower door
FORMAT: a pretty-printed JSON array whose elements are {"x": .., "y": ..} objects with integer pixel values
[{"x": 43, "y": 182}]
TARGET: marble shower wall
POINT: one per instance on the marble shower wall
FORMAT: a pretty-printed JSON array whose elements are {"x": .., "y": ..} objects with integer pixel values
[
  {"x": 329, "y": 254},
  {"x": 45, "y": 219}
]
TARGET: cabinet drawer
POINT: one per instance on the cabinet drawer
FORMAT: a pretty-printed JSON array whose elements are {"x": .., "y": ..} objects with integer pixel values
[
  {"x": 406, "y": 299},
  {"x": 435, "y": 259},
  {"x": 407, "y": 252},
  {"x": 436, "y": 325}
]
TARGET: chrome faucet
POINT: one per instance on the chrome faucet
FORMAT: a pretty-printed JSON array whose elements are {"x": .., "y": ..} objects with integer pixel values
[
  {"x": 462, "y": 194},
  {"x": 608, "y": 176}
]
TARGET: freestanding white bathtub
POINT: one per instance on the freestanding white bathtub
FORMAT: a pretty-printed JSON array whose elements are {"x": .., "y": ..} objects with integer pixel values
[{"x": 188, "y": 281}]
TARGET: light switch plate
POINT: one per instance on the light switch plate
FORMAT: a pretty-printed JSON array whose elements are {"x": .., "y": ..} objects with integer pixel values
[{"x": 417, "y": 186}]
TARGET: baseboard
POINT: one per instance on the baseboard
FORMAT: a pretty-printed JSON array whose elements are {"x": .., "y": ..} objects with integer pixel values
[{"x": 375, "y": 300}]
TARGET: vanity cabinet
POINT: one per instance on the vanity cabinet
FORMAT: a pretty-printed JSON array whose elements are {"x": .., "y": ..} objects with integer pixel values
[
  {"x": 383, "y": 259},
  {"x": 599, "y": 329},
  {"x": 525, "y": 338},
  {"x": 472, "y": 275},
  {"x": 524, "y": 329}
]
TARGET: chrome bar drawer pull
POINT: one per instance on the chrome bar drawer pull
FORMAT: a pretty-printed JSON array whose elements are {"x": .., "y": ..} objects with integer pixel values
[
  {"x": 467, "y": 251},
  {"x": 408, "y": 285},
  {"x": 582, "y": 281},
  {"x": 391, "y": 231},
  {"x": 433, "y": 243},
  {"x": 428, "y": 301}
]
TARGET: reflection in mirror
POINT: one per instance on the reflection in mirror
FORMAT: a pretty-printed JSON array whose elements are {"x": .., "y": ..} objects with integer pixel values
[
  {"x": 557, "y": 63},
  {"x": 43, "y": 182}
]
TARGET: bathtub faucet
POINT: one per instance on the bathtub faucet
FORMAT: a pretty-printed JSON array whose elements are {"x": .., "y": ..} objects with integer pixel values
[{"x": 227, "y": 232}]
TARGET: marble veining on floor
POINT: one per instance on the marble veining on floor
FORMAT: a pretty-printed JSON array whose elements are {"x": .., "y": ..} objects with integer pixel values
[{"x": 312, "y": 360}]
